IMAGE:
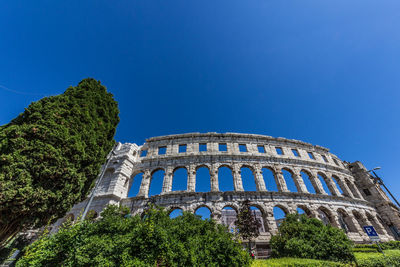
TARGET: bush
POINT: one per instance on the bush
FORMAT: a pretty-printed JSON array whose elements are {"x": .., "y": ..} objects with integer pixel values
[
  {"x": 385, "y": 245},
  {"x": 296, "y": 262},
  {"x": 153, "y": 240},
  {"x": 391, "y": 258},
  {"x": 303, "y": 237}
]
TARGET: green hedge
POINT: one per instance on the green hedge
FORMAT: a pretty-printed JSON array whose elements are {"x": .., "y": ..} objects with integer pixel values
[
  {"x": 391, "y": 258},
  {"x": 295, "y": 262},
  {"x": 385, "y": 245}
]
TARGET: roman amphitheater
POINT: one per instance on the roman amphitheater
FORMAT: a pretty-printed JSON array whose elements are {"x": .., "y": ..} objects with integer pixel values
[{"x": 337, "y": 192}]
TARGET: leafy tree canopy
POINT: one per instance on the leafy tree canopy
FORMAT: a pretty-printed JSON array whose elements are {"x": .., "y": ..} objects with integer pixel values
[
  {"x": 247, "y": 222},
  {"x": 151, "y": 240},
  {"x": 51, "y": 154},
  {"x": 303, "y": 237}
]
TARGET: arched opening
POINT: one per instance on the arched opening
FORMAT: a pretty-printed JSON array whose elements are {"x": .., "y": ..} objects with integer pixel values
[
  {"x": 228, "y": 218},
  {"x": 345, "y": 221},
  {"x": 203, "y": 180},
  {"x": 291, "y": 185},
  {"x": 377, "y": 227},
  {"x": 179, "y": 180},
  {"x": 204, "y": 212},
  {"x": 301, "y": 209},
  {"x": 337, "y": 184},
  {"x": 279, "y": 215},
  {"x": 323, "y": 179},
  {"x": 386, "y": 226},
  {"x": 156, "y": 182},
  {"x": 269, "y": 179},
  {"x": 325, "y": 216},
  {"x": 175, "y": 212},
  {"x": 307, "y": 181},
  {"x": 135, "y": 187},
  {"x": 351, "y": 187},
  {"x": 360, "y": 220},
  {"x": 248, "y": 181},
  {"x": 260, "y": 218},
  {"x": 225, "y": 179}
]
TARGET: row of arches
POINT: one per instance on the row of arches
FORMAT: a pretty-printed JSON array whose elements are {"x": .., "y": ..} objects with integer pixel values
[{"x": 245, "y": 178}]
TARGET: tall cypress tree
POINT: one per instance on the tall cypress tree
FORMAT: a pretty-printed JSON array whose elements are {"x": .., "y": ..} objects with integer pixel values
[{"x": 51, "y": 154}]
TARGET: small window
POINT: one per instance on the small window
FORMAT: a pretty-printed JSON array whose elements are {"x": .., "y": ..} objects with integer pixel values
[
  {"x": 143, "y": 153},
  {"x": 279, "y": 150},
  {"x": 295, "y": 152},
  {"x": 336, "y": 162},
  {"x": 242, "y": 148},
  {"x": 182, "y": 148},
  {"x": 162, "y": 150},
  {"x": 366, "y": 192},
  {"x": 311, "y": 155},
  {"x": 261, "y": 149},
  {"x": 222, "y": 147},
  {"x": 324, "y": 158},
  {"x": 202, "y": 147}
]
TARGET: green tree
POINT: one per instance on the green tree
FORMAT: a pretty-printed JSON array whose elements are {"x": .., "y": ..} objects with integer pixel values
[
  {"x": 303, "y": 237},
  {"x": 153, "y": 239},
  {"x": 51, "y": 154},
  {"x": 247, "y": 223}
]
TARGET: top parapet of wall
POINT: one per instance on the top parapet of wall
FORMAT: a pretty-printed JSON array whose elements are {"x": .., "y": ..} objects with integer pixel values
[{"x": 235, "y": 136}]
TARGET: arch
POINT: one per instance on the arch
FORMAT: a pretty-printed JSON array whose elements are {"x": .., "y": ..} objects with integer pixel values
[
  {"x": 225, "y": 178},
  {"x": 337, "y": 183},
  {"x": 156, "y": 181},
  {"x": 359, "y": 218},
  {"x": 306, "y": 175},
  {"x": 228, "y": 217},
  {"x": 345, "y": 221},
  {"x": 289, "y": 179},
  {"x": 248, "y": 178},
  {"x": 374, "y": 223},
  {"x": 325, "y": 215},
  {"x": 179, "y": 179},
  {"x": 135, "y": 183},
  {"x": 279, "y": 213},
  {"x": 351, "y": 187},
  {"x": 324, "y": 182},
  {"x": 203, "y": 179},
  {"x": 203, "y": 211},
  {"x": 260, "y": 217},
  {"x": 269, "y": 179},
  {"x": 302, "y": 209},
  {"x": 174, "y": 212}
]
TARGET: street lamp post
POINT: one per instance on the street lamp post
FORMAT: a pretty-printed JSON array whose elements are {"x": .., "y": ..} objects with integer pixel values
[{"x": 379, "y": 180}]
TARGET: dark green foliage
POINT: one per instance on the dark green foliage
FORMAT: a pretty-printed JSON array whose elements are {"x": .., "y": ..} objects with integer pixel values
[
  {"x": 384, "y": 246},
  {"x": 51, "y": 154},
  {"x": 247, "y": 223},
  {"x": 153, "y": 240},
  {"x": 303, "y": 237}
]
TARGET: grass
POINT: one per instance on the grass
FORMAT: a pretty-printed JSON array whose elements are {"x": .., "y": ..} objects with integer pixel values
[{"x": 364, "y": 259}]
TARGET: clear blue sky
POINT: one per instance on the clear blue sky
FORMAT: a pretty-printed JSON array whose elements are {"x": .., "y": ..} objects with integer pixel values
[{"x": 325, "y": 72}]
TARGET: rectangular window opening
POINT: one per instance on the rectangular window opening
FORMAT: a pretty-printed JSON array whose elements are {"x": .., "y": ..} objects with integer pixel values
[
  {"x": 242, "y": 148},
  {"x": 324, "y": 158},
  {"x": 162, "y": 150},
  {"x": 261, "y": 149},
  {"x": 295, "y": 152},
  {"x": 143, "y": 153},
  {"x": 311, "y": 155},
  {"x": 223, "y": 147},
  {"x": 279, "y": 150},
  {"x": 366, "y": 192},
  {"x": 202, "y": 147},
  {"x": 182, "y": 148}
]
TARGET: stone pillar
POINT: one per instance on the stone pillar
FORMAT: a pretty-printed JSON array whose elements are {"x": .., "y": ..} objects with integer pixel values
[
  {"x": 357, "y": 192},
  {"x": 298, "y": 180},
  {"x": 237, "y": 178},
  {"x": 214, "y": 178},
  {"x": 167, "y": 183},
  {"x": 331, "y": 185},
  {"x": 259, "y": 179},
  {"x": 346, "y": 190},
  {"x": 145, "y": 185},
  {"x": 280, "y": 181},
  {"x": 317, "y": 184},
  {"x": 191, "y": 183}
]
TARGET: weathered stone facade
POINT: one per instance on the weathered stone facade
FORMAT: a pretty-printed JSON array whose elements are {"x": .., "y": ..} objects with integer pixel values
[{"x": 361, "y": 203}]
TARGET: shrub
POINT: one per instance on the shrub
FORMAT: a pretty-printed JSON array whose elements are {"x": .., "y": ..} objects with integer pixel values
[
  {"x": 153, "y": 240},
  {"x": 303, "y": 237},
  {"x": 391, "y": 258}
]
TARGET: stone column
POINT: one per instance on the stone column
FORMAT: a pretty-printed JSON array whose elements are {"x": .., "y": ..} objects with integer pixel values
[
  {"x": 317, "y": 184},
  {"x": 356, "y": 191},
  {"x": 298, "y": 180},
  {"x": 191, "y": 183},
  {"x": 346, "y": 190},
  {"x": 259, "y": 179},
  {"x": 331, "y": 185},
  {"x": 280, "y": 181},
  {"x": 237, "y": 178},
  {"x": 214, "y": 178},
  {"x": 145, "y": 185},
  {"x": 167, "y": 183}
]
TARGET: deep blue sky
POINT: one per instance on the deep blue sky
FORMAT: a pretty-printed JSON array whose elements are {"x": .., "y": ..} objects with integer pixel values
[{"x": 325, "y": 72}]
